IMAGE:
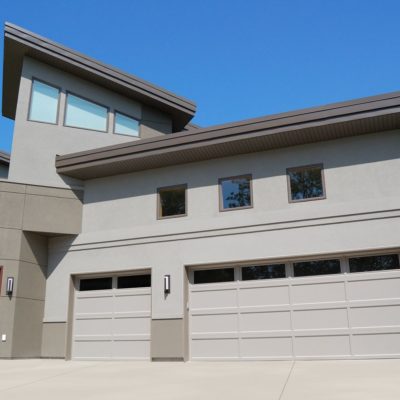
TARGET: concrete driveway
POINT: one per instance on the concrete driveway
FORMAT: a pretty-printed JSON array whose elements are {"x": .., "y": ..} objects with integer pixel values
[{"x": 280, "y": 380}]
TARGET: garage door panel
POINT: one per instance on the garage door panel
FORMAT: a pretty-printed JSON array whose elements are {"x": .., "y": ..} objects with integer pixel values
[
  {"x": 320, "y": 319},
  {"x": 123, "y": 326},
  {"x": 318, "y": 292},
  {"x": 131, "y": 302},
  {"x": 265, "y": 321},
  {"x": 94, "y": 304},
  {"x": 93, "y": 349},
  {"x": 214, "y": 299},
  {"x": 131, "y": 349},
  {"x": 375, "y": 289},
  {"x": 93, "y": 326},
  {"x": 376, "y": 316},
  {"x": 215, "y": 348},
  {"x": 274, "y": 347},
  {"x": 377, "y": 344},
  {"x": 215, "y": 323},
  {"x": 322, "y": 346},
  {"x": 263, "y": 296}
]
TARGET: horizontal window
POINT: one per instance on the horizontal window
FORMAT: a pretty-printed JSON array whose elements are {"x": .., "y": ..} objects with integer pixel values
[
  {"x": 172, "y": 201},
  {"x": 81, "y": 113},
  {"x": 263, "y": 272},
  {"x": 44, "y": 103},
  {"x": 214, "y": 275},
  {"x": 95, "y": 284},
  {"x": 306, "y": 183},
  {"x": 125, "y": 125},
  {"x": 374, "y": 263},
  {"x": 134, "y": 281},
  {"x": 319, "y": 267},
  {"x": 235, "y": 192}
]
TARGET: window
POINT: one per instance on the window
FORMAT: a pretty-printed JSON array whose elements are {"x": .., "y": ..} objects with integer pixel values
[
  {"x": 125, "y": 125},
  {"x": 263, "y": 272},
  {"x": 1, "y": 278},
  {"x": 134, "y": 281},
  {"x": 374, "y": 263},
  {"x": 214, "y": 275},
  {"x": 95, "y": 284},
  {"x": 319, "y": 267},
  {"x": 172, "y": 201},
  {"x": 306, "y": 183},
  {"x": 44, "y": 103},
  {"x": 85, "y": 114},
  {"x": 235, "y": 192}
]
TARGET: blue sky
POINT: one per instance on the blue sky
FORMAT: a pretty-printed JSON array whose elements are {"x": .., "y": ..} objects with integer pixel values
[{"x": 235, "y": 59}]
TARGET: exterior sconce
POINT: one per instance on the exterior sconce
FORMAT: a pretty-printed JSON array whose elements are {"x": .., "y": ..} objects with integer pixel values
[
  {"x": 167, "y": 283},
  {"x": 10, "y": 286}
]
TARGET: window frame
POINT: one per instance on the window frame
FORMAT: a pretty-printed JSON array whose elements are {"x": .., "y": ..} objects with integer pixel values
[
  {"x": 221, "y": 200},
  {"x": 33, "y": 79},
  {"x": 127, "y": 116},
  {"x": 172, "y": 187},
  {"x": 302, "y": 168},
  {"x": 67, "y": 93}
]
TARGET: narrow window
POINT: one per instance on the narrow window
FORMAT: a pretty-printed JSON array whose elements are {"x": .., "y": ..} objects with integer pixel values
[
  {"x": 95, "y": 284},
  {"x": 374, "y": 263},
  {"x": 44, "y": 103},
  {"x": 319, "y": 267},
  {"x": 81, "y": 113},
  {"x": 125, "y": 125},
  {"x": 134, "y": 281},
  {"x": 235, "y": 192},
  {"x": 172, "y": 201},
  {"x": 214, "y": 275},
  {"x": 272, "y": 271},
  {"x": 1, "y": 278},
  {"x": 306, "y": 183}
]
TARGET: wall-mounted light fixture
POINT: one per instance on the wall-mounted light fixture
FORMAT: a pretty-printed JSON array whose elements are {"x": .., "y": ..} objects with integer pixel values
[
  {"x": 10, "y": 286},
  {"x": 167, "y": 283}
]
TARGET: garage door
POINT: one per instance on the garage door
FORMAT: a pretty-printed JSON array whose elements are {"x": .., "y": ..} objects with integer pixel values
[
  {"x": 112, "y": 316},
  {"x": 336, "y": 308}
]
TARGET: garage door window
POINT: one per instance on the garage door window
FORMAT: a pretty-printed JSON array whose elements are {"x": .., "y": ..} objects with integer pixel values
[
  {"x": 95, "y": 284},
  {"x": 134, "y": 281},
  {"x": 214, "y": 275},
  {"x": 374, "y": 263},
  {"x": 263, "y": 272},
  {"x": 319, "y": 267}
]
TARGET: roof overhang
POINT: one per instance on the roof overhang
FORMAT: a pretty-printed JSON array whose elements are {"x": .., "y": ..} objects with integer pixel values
[
  {"x": 19, "y": 43},
  {"x": 367, "y": 115},
  {"x": 4, "y": 158}
]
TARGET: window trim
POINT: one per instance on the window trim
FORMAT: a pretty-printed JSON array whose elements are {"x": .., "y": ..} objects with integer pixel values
[
  {"x": 128, "y": 116},
  {"x": 33, "y": 79},
  {"x": 221, "y": 200},
  {"x": 67, "y": 93},
  {"x": 302, "y": 168},
  {"x": 173, "y": 187}
]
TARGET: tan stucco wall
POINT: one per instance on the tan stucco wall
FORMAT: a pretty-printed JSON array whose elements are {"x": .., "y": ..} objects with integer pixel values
[{"x": 167, "y": 339}]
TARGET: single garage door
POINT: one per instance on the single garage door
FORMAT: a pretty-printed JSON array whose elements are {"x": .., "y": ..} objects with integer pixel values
[
  {"x": 334, "y": 308},
  {"x": 112, "y": 316}
]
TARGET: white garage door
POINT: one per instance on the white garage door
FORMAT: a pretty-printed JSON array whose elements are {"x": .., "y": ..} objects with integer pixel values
[
  {"x": 112, "y": 318},
  {"x": 338, "y": 308}
]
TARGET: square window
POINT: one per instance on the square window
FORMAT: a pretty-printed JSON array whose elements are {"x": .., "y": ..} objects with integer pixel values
[
  {"x": 306, "y": 183},
  {"x": 125, "y": 125},
  {"x": 172, "y": 201},
  {"x": 235, "y": 192},
  {"x": 44, "y": 103}
]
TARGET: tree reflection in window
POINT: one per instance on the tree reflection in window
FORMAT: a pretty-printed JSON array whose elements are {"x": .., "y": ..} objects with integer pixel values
[
  {"x": 306, "y": 183},
  {"x": 374, "y": 263},
  {"x": 236, "y": 192}
]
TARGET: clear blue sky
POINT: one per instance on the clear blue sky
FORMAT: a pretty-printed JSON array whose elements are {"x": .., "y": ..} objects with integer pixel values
[{"x": 236, "y": 59}]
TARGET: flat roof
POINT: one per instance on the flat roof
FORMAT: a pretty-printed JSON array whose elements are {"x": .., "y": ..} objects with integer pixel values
[
  {"x": 19, "y": 42},
  {"x": 350, "y": 118},
  {"x": 4, "y": 158}
]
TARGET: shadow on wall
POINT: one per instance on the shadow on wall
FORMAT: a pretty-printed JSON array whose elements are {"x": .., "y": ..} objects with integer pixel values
[{"x": 339, "y": 153}]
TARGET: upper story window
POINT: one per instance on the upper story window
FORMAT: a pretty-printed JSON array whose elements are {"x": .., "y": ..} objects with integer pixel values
[
  {"x": 44, "y": 103},
  {"x": 81, "y": 113},
  {"x": 235, "y": 192},
  {"x": 125, "y": 125},
  {"x": 172, "y": 201},
  {"x": 306, "y": 183}
]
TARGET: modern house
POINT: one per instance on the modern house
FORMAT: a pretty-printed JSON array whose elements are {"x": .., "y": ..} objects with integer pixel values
[{"x": 126, "y": 232}]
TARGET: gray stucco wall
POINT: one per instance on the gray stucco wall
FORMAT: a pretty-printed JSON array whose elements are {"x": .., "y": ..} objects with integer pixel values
[
  {"x": 36, "y": 144},
  {"x": 121, "y": 232}
]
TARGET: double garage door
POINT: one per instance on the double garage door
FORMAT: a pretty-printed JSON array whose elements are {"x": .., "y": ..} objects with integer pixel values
[
  {"x": 112, "y": 316},
  {"x": 338, "y": 308}
]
